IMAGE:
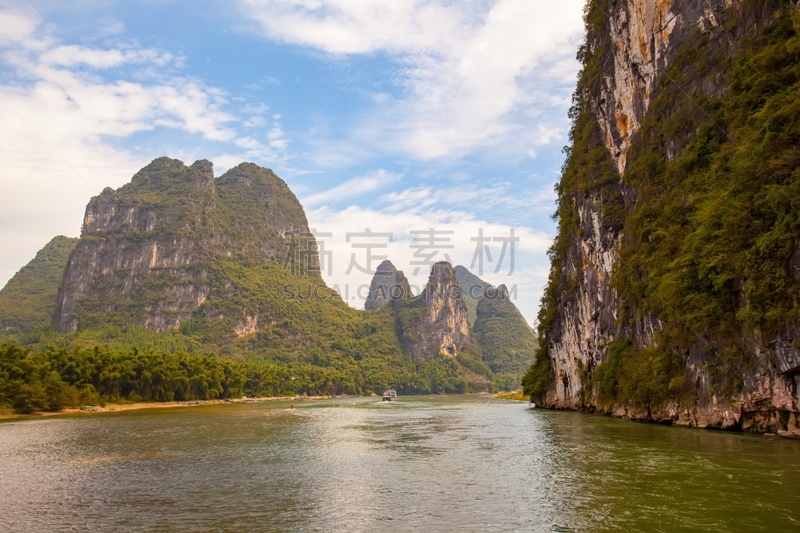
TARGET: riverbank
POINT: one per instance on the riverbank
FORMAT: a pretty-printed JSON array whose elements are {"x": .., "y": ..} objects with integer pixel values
[
  {"x": 115, "y": 408},
  {"x": 516, "y": 395}
]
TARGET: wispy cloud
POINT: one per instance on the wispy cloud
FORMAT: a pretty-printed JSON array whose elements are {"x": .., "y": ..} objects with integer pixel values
[
  {"x": 501, "y": 195},
  {"x": 67, "y": 111},
  {"x": 352, "y": 188},
  {"x": 71, "y": 55},
  {"x": 267, "y": 80},
  {"x": 472, "y": 74}
]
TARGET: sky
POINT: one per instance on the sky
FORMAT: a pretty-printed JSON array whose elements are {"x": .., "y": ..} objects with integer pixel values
[{"x": 413, "y": 130}]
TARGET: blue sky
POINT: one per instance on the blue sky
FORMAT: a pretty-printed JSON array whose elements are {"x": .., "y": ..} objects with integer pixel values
[{"x": 396, "y": 117}]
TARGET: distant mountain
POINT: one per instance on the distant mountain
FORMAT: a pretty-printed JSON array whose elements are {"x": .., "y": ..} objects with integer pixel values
[
  {"x": 435, "y": 322},
  {"x": 388, "y": 284},
  {"x": 28, "y": 301},
  {"x": 180, "y": 261},
  {"x": 507, "y": 341},
  {"x": 473, "y": 288}
]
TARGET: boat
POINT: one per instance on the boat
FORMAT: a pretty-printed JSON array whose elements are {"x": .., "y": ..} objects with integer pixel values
[{"x": 390, "y": 395}]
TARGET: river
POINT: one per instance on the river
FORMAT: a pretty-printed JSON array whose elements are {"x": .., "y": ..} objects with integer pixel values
[{"x": 458, "y": 463}]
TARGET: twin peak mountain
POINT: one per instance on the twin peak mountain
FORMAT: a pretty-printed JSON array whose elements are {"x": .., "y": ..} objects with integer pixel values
[{"x": 179, "y": 252}]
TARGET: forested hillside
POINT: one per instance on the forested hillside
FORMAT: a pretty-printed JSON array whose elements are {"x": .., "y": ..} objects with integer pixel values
[{"x": 28, "y": 301}]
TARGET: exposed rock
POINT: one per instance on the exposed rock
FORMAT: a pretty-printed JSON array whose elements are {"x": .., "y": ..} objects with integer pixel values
[
  {"x": 587, "y": 322},
  {"x": 644, "y": 36},
  {"x": 150, "y": 252},
  {"x": 388, "y": 285},
  {"x": 643, "y": 39},
  {"x": 435, "y": 322}
]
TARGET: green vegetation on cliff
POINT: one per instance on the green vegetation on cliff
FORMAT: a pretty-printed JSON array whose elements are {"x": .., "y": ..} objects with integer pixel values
[
  {"x": 641, "y": 376},
  {"x": 711, "y": 221},
  {"x": 28, "y": 301},
  {"x": 507, "y": 342},
  {"x": 472, "y": 287},
  {"x": 712, "y": 243}
]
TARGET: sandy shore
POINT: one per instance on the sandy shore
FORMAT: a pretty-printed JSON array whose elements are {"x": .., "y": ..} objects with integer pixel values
[
  {"x": 113, "y": 408},
  {"x": 516, "y": 395}
]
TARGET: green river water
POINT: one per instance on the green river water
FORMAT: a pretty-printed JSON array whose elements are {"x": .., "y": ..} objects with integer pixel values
[{"x": 458, "y": 463}]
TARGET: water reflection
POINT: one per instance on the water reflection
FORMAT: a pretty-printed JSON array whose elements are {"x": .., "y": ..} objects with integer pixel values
[{"x": 437, "y": 464}]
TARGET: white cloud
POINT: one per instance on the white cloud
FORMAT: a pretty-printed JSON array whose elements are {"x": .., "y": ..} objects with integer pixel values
[
  {"x": 530, "y": 268},
  {"x": 337, "y": 26},
  {"x": 277, "y": 137},
  {"x": 351, "y": 188},
  {"x": 501, "y": 195},
  {"x": 16, "y": 27},
  {"x": 474, "y": 73},
  {"x": 65, "y": 116},
  {"x": 70, "y": 55}
]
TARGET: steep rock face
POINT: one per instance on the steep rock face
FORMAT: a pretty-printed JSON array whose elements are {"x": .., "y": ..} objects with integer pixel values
[
  {"x": 388, "y": 285},
  {"x": 28, "y": 301},
  {"x": 139, "y": 248},
  {"x": 644, "y": 36},
  {"x": 435, "y": 322},
  {"x": 587, "y": 320},
  {"x": 631, "y": 46},
  {"x": 149, "y": 251}
]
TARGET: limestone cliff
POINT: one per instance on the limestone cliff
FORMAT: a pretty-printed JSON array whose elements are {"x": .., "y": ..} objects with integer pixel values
[
  {"x": 642, "y": 38},
  {"x": 151, "y": 253},
  {"x": 435, "y": 322},
  {"x": 388, "y": 284},
  {"x": 640, "y": 287}
]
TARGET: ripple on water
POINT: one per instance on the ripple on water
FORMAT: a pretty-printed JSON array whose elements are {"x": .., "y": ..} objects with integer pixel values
[{"x": 436, "y": 464}]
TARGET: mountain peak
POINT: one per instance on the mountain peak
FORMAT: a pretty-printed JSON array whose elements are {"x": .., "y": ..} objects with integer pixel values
[
  {"x": 152, "y": 252},
  {"x": 436, "y": 322},
  {"x": 388, "y": 285},
  {"x": 386, "y": 266}
]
